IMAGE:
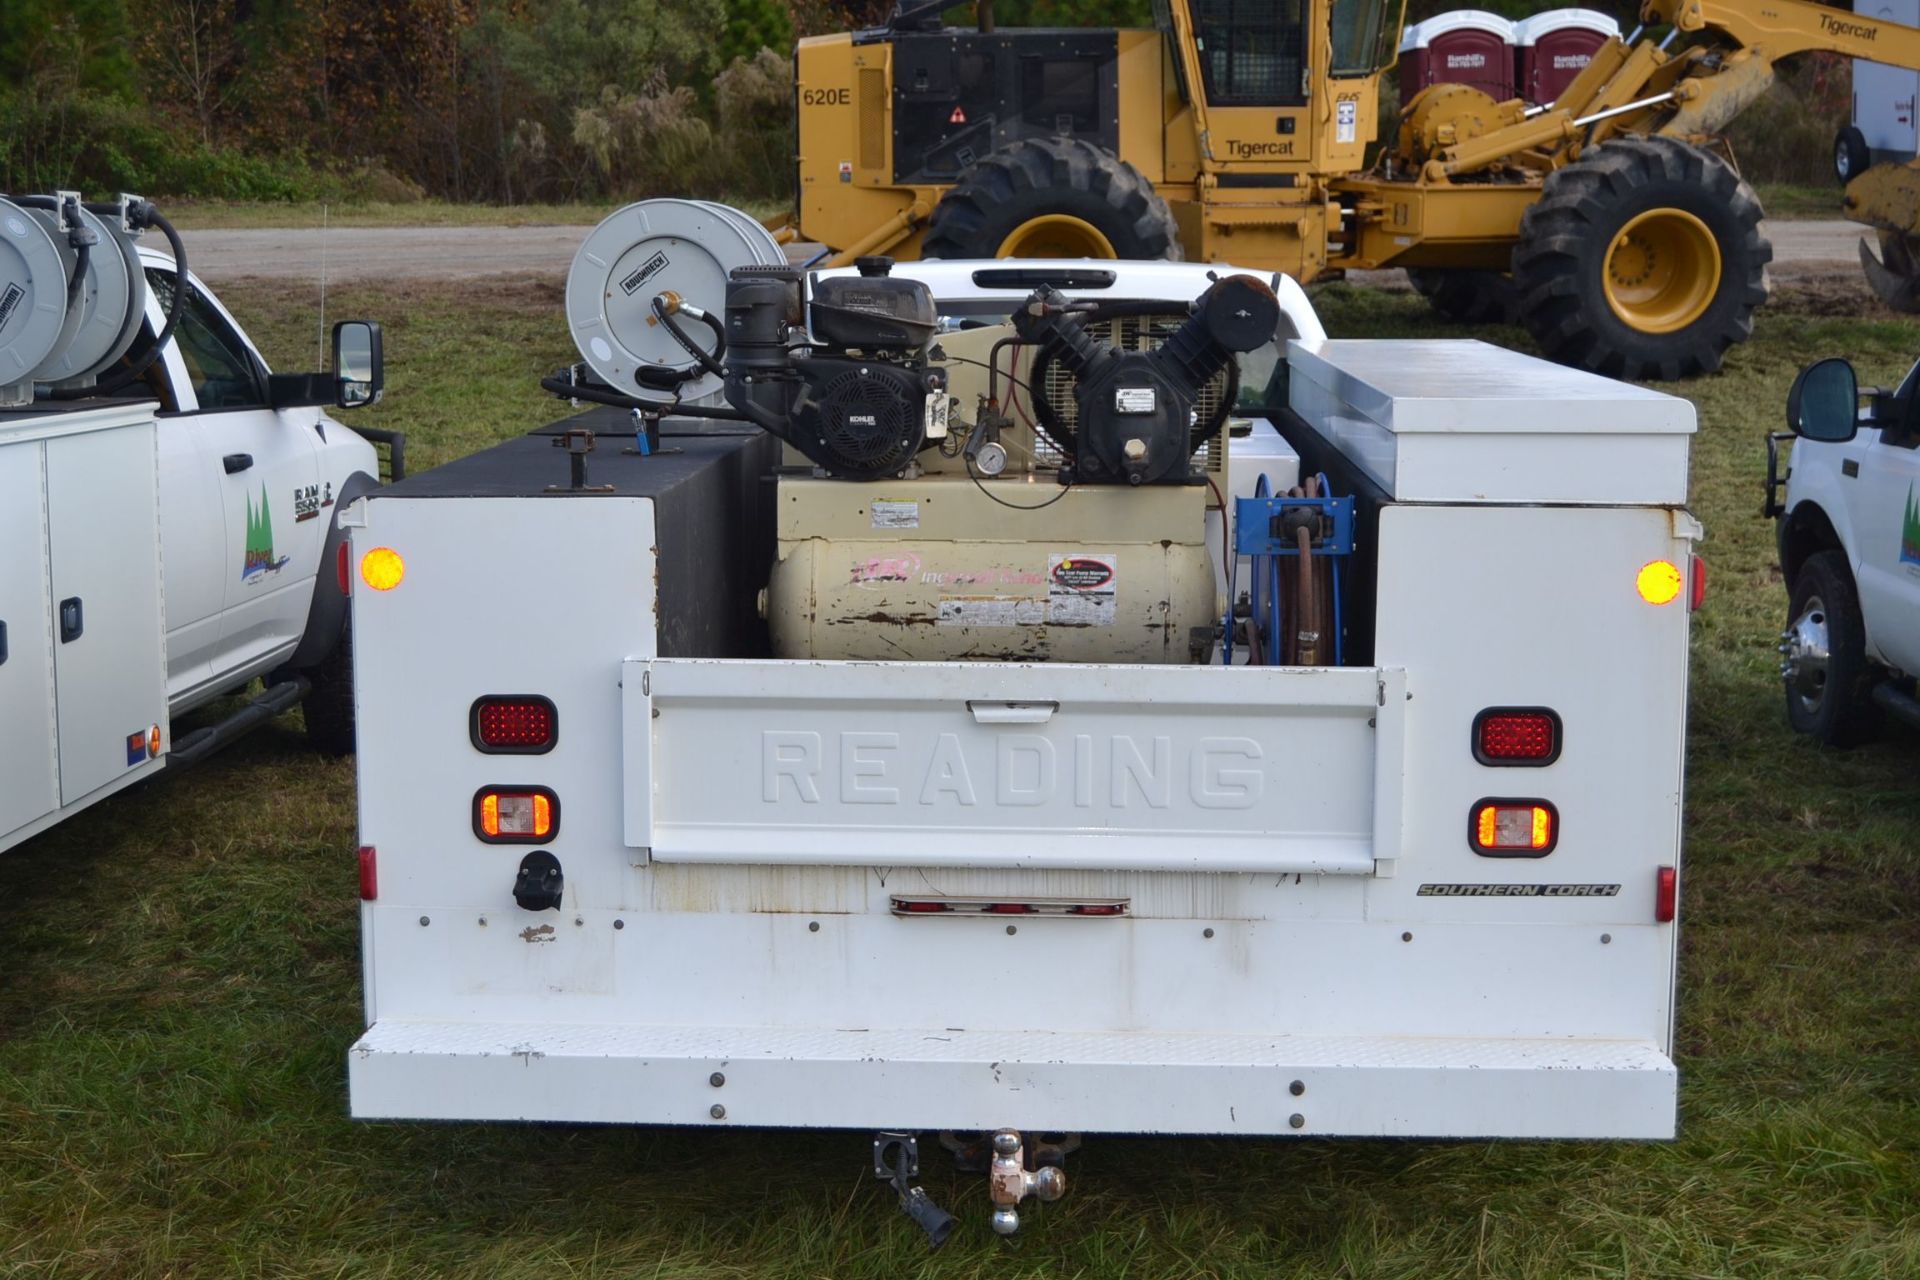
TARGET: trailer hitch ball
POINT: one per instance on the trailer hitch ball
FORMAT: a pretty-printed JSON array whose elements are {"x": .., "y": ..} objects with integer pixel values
[{"x": 1009, "y": 1181}]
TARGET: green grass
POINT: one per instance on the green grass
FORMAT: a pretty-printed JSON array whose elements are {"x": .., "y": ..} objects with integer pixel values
[
  {"x": 182, "y": 983},
  {"x": 1791, "y": 202}
]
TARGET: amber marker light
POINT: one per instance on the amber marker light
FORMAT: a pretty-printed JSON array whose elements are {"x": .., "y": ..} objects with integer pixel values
[
  {"x": 1513, "y": 828},
  {"x": 1660, "y": 582},
  {"x": 382, "y": 568},
  {"x": 515, "y": 815}
]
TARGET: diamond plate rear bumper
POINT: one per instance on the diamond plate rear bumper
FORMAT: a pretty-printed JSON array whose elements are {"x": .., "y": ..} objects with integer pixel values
[{"x": 1066, "y": 1081}]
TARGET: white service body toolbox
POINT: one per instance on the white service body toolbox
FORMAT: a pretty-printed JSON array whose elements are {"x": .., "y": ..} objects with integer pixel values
[
  {"x": 83, "y": 697},
  {"x": 974, "y": 895}
]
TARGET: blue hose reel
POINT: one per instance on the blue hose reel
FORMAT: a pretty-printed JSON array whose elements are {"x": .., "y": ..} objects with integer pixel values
[{"x": 1260, "y": 532}]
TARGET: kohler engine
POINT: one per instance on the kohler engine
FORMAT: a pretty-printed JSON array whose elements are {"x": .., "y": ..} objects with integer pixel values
[
  {"x": 1136, "y": 408},
  {"x": 858, "y": 404}
]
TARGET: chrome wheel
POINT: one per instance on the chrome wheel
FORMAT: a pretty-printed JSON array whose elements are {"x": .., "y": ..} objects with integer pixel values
[{"x": 1807, "y": 652}]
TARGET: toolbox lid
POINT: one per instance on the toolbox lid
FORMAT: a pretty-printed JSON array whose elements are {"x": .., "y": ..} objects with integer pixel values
[{"x": 1452, "y": 420}]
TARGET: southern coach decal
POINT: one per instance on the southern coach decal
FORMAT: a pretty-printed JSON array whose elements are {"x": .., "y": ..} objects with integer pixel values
[{"x": 1519, "y": 890}]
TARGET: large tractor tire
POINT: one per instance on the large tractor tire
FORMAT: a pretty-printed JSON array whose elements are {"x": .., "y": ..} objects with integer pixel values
[
  {"x": 1052, "y": 198},
  {"x": 1467, "y": 297},
  {"x": 1643, "y": 259}
]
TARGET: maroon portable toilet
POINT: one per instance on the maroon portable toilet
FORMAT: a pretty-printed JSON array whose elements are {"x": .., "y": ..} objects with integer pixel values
[
  {"x": 1550, "y": 49},
  {"x": 1467, "y": 46}
]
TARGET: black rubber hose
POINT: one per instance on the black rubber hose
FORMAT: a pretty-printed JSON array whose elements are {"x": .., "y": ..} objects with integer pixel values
[
  {"x": 710, "y": 361},
  {"x": 151, "y": 217},
  {"x": 559, "y": 386}
]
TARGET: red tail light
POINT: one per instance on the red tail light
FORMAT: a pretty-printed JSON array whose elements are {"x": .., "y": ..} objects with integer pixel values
[
  {"x": 1516, "y": 736},
  {"x": 514, "y": 724},
  {"x": 1513, "y": 828},
  {"x": 1699, "y": 588},
  {"x": 515, "y": 815},
  {"x": 369, "y": 873},
  {"x": 1666, "y": 895},
  {"x": 343, "y": 568}
]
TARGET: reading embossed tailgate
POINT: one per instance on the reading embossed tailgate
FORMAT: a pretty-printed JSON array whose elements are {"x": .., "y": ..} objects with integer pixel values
[{"x": 1017, "y": 766}]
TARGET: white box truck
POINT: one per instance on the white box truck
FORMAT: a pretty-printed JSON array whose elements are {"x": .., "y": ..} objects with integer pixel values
[{"x": 637, "y": 852}]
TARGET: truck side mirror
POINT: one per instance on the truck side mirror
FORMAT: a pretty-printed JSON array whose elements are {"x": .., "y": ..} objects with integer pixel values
[
  {"x": 359, "y": 370},
  {"x": 1824, "y": 403}
]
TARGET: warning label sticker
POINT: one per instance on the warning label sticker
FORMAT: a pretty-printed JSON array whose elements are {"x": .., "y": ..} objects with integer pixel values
[
  {"x": 1082, "y": 589},
  {"x": 1346, "y": 120},
  {"x": 895, "y": 515},
  {"x": 991, "y": 611}
]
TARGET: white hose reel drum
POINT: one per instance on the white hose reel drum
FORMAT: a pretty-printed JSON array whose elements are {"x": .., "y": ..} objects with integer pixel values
[
  {"x": 33, "y": 299},
  {"x": 639, "y": 252},
  {"x": 113, "y": 302},
  {"x": 42, "y": 338}
]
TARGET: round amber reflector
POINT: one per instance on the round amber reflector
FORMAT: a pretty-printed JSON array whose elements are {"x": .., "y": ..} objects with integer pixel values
[
  {"x": 382, "y": 568},
  {"x": 1660, "y": 582}
]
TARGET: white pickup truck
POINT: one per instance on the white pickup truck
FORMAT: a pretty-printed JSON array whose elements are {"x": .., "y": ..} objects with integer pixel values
[
  {"x": 230, "y": 477},
  {"x": 701, "y": 784},
  {"x": 1849, "y": 536}
]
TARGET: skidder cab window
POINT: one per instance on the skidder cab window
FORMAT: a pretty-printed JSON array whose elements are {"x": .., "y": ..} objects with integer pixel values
[
  {"x": 1364, "y": 35},
  {"x": 1251, "y": 51}
]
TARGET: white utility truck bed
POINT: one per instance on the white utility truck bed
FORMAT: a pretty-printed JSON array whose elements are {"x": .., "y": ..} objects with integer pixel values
[
  {"x": 985, "y": 895},
  {"x": 83, "y": 675}
]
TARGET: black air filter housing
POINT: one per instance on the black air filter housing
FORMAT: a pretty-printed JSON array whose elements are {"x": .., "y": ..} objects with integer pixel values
[{"x": 872, "y": 312}]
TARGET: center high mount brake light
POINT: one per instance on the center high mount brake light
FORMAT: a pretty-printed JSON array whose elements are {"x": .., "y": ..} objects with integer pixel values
[{"x": 940, "y": 906}]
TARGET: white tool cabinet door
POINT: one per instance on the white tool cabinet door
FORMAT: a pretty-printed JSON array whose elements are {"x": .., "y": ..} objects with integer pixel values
[
  {"x": 107, "y": 627},
  {"x": 29, "y": 785}
]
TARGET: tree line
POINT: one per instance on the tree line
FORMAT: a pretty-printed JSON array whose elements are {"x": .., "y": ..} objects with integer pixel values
[{"x": 505, "y": 101}]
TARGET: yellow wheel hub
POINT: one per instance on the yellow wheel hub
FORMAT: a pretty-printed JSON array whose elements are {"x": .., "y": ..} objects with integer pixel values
[
  {"x": 1056, "y": 235},
  {"x": 1662, "y": 271}
]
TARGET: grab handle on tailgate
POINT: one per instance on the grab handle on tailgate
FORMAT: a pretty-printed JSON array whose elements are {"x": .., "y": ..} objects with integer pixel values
[{"x": 1012, "y": 712}]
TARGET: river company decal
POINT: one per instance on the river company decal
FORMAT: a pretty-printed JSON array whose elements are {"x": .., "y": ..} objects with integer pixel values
[
  {"x": 1910, "y": 532},
  {"x": 259, "y": 562}
]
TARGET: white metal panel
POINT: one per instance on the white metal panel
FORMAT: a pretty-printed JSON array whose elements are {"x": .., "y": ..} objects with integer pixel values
[
  {"x": 1445, "y": 420},
  {"x": 942, "y": 1078},
  {"x": 29, "y": 778},
  {"x": 1884, "y": 96},
  {"x": 1008, "y": 764},
  {"x": 501, "y": 595},
  {"x": 1540, "y": 610},
  {"x": 103, "y": 525},
  {"x": 194, "y": 544}
]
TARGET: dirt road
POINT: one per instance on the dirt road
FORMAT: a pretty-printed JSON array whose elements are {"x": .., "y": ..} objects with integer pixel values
[{"x": 455, "y": 253}]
